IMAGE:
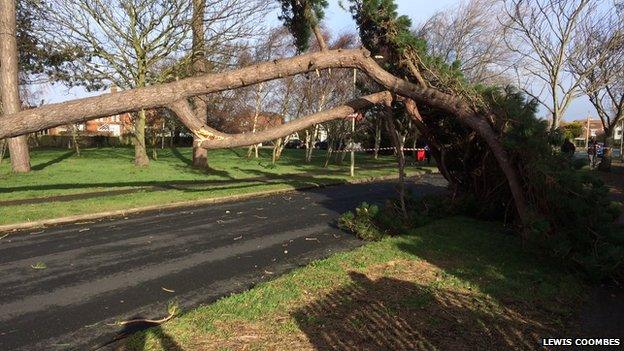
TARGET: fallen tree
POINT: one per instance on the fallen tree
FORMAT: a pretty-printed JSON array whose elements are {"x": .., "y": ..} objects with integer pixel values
[
  {"x": 175, "y": 95},
  {"x": 477, "y": 135}
]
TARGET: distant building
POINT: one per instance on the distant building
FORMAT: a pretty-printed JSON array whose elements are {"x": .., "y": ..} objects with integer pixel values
[
  {"x": 593, "y": 128},
  {"x": 116, "y": 125}
]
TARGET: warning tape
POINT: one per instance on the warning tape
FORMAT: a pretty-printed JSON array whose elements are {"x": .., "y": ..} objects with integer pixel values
[{"x": 380, "y": 149}]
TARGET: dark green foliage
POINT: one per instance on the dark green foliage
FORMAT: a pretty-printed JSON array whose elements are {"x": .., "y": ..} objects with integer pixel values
[
  {"x": 384, "y": 32},
  {"x": 36, "y": 56},
  {"x": 381, "y": 27},
  {"x": 572, "y": 218},
  {"x": 363, "y": 222},
  {"x": 299, "y": 16}
]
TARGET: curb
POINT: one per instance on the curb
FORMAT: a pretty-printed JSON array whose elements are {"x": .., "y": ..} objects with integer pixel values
[{"x": 118, "y": 213}]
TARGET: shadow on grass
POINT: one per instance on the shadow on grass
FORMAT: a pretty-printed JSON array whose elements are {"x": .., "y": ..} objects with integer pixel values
[
  {"x": 485, "y": 255},
  {"x": 41, "y": 166},
  {"x": 260, "y": 176},
  {"x": 392, "y": 314},
  {"x": 177, "y": 154},
  {"x": 138, "y": 340}
]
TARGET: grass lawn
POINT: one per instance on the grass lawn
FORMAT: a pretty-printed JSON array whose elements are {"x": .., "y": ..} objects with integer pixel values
[
  {"x": 455, "y": 284},
  {"x": 109, "y": 172}
]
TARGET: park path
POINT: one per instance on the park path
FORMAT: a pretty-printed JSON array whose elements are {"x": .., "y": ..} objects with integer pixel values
[{"x": 96, "y": 273}]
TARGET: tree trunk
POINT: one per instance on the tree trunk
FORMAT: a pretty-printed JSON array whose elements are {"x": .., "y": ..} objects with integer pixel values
[
  {"x": 377, "y": 138},
  {"x": 254, "y": 148},
  {"x": 398, "y": 145},
  {"x": 3, "y": 147},
  {"x": 276, "y": 146},
  {"x": 140, "y": 151},
  {"x": 18, "y": 147},
  {"x": 330, "y": 150},
  {"x": 309, "y": 142},
  {"x": 319, "y": 38},
  {"x": 75, "y": 139},
  {"x": 200, "y": 155}
]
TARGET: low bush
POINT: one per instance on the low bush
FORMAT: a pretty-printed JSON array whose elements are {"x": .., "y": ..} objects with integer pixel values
[{"x": 364, "y": 223}]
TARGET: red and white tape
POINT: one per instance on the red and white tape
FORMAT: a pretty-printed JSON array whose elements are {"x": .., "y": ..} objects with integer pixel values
[{"x": 380, "y": 149}]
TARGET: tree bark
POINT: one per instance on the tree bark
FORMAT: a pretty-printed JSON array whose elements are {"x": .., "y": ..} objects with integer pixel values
[
  {"x": 221, "y": 140},
  {"x": 200, "y": 155},
  {"x": 3, "y": 147},
  {"x": 377, "y": 138},
  {"x": 398, "y": 145},
  {"x": 277, "y": 143},
  {"x": 140, "y": 150},
  {"x": 153, "y": 96},
  {"x": 9, "y": 83},
  {"x": 319, "y": 37},
  {"x": 75, "y": 139}
]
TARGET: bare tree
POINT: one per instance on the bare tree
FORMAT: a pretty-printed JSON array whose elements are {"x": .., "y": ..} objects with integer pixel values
[
  {"x": 123, "y": 42},
  {"x": 470, "y": 35},
  {"x": 218, "y": 27},
  {"x": 599, "y": 63},
  {"x": 541, "y": 34},
  {"x": 9, "y": 83}
]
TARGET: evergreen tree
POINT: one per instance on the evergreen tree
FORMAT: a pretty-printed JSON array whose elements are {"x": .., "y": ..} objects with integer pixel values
[{"x": 300, "y": 17}]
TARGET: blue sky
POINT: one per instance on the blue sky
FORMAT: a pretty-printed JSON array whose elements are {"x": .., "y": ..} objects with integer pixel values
[{"x": 339, "y": 21}]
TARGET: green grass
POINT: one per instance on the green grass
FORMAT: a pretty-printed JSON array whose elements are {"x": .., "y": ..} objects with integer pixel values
[
  {"x": 168, "y": 179},
  {"x": 455, "y": 283}
]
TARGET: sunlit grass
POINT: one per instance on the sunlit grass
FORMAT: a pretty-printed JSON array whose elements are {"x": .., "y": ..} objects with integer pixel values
[
  {"x": 454, "y": 274},
  {"x": 166, "y": 180}
]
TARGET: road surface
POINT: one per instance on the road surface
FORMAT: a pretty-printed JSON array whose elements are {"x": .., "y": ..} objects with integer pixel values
[{"x": 61, "y": 286}]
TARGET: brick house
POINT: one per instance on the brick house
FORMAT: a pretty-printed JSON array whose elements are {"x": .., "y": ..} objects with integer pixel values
[{"x": 116, "y": 125}]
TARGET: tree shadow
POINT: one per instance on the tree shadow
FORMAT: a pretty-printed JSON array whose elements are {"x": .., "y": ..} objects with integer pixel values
[
  {"x": 392, "y": 314},
  {"x": 60, "y": 158},
  {"x": 139, "y": 332},
  {"x": 509, "y": 269},
  {"x": 177, "y": 154}
]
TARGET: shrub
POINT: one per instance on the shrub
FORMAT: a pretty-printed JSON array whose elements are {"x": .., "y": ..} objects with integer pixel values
[{"x": 363, "y": 222}]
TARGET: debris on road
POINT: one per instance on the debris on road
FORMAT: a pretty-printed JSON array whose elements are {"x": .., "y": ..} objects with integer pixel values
[{"x": 38, "y": 265}]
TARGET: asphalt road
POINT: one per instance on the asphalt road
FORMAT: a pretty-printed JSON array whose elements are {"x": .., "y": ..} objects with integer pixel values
[{"x": 101, "y": 272}]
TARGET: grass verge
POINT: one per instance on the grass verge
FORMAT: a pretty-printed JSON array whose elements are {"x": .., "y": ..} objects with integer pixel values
[
  {"x": 107, "y": 180},
  {"x": 454, "y": 284}
]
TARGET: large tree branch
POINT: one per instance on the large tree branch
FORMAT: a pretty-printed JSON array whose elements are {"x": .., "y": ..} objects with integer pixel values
[
  {"x": 246, "y": 139},
  {"x": 161, "y": 95},
  {"x": 165, "y": 94}
]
